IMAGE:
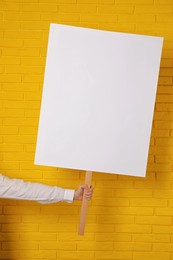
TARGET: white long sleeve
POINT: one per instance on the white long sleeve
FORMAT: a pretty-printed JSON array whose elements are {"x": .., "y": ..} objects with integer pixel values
[{"x": 44, "y": 194}]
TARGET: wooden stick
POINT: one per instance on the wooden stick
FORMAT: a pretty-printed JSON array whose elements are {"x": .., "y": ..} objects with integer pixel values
[{"x": 84, "y": 207}]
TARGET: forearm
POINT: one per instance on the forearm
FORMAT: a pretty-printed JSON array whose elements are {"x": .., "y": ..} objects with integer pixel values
[{"x": 44, "y": 194}]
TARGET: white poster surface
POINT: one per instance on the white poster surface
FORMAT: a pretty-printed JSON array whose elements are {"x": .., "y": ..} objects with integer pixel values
[{"x": 98, "y": 100}]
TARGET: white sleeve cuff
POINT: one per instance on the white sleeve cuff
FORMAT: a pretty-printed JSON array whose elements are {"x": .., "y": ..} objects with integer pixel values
[{"x": 69, "y": 195}]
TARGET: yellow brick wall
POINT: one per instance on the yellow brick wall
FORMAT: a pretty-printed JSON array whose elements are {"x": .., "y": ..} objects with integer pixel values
[{"x": 128, "y": 218}]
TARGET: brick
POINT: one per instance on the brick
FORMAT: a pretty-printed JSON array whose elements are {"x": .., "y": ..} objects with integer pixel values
[
  {"x": 166, "y": 72},
  {"x": 10, "y": 78},
  {"x": 75, "y": 219},
  {"x": 163, "y": 229},
  {"x": 13, "y": 210},
  {"x": 9, "y": 60},
  {"x": 164, "y": 107},
  {"x": 163, "y": 193},
  {"x": 30, "y": 34},
  {"x": 163, "y": 151},
  {"x": 114, "y": 184},
  {"x": 164, "y": 18},
  {"x": 18, "y": 156},
  {"x": 166, "y": 63},
  {"x": 165, "y": 81},
  {"x": 31, "y": 52},
  {"x": 134, "y": 193},
  {"x": 164, "y": 141},
  {"x": 65, "y": 17},
  {"x": 29, "y": 254},
  {"x": 38, "y": 236},
  {"x": 138, "y": 2},
  {"x": 10, "y": 219},
  {"x": 105, "y": 246},
  {"x": 21, "y": 16},
  {"x": 19, "y": 227},
  {"x": 165, "y": 90},
  {"x": 154, "y": 238},
  {"x": 164, "y": 159},
  {"x": 20, "y": 139},
  {"x": 29, "y": 166},
  {"x": 2, "y": 68},
  {"x": 34, "y": 43},
  {"x": 123, "y": 210},
  {"x": 114, "y": 9},
  {"x": 64, "y": 254},
  {"x": 32, "y": 96},
  {"x": 119, "y": 246},
  {"x": 9, "y": 236},
  {"x": 58, "y": 245},
  {"x": 163, "y": 2},
  {"x": 38, "y": 25},
  {"x": 113, "y": 255},
  {"x": 79, "y": 8},
  {"x": 62, "y": 175},
  {"x": 73, "y": 236},
  {"x": 40, "y": 219},
  {"x": 27, "y": 131},
  {"x": 13, "y": 165},
  {"x": 133, "y": 228},
  {"x": 163, "y": 125},
  {"x": 154, "y": 220},
  {"x": 9, "y": 130},
  {"x": 10, "y": 6},
  {"x": 152, "y": 202},
  {"x": 39, "y": 7},
  {"x": 21, "y": 86},
  {"x": 22, "y": 104},
  {"x": 99, "y": 18},
  {"x": 164, "y": 211},
  {"x": 23, "y": 69},
  {"x": 9, "y": 43},
  {"x": 160, "y": 167},
  {"x": 160, "y": 133},
  {"x": 11, "y": 113},
  {"x": 106, "y": 2},
  {"x": 115, "y": 219},
  {"x": 37, "y": 61},
  {"x": 88, "y": 1},
  {"x": 164, "y": 176},
  {"x": 12, "y": 95},
  {"x": 33, "y": 78},
  {"x": 151, "y": 255},
  {"x": 154, "y": 9},
  {"x": 7, "y": 25},
  {"x": 111, "y": 202},
  {"x": 60, "y": 209},
  {"x": 164, "y": 98},
  {"x": 163, "y": 247},
  {"x": 167, "y": 54},
  {"x": 36, "y": 177},
  {"x": 136, "y": 18},
  {"x": 152, "y": 185},
  {"x": 19, "y": 245},
  {"x": 57, "y": 227},
  {"x": 117, "y": 237},
  {"x": 171, "y": 202}
]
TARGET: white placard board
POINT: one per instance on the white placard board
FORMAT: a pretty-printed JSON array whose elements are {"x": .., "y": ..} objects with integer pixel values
[{"x": 98, "y": 100}]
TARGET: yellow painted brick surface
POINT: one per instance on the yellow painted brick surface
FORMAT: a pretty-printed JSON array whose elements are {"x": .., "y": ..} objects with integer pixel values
[{"x": 128, "y": 217}]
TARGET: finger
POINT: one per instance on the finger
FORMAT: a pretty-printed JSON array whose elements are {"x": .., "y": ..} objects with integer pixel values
[{"x": 83, "y": 186}]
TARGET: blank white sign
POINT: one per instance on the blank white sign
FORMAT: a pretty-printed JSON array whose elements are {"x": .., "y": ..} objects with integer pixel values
[{"x": 98, "y": 100}]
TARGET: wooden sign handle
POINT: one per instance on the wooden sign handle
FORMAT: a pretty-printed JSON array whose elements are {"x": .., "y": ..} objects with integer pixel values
[{"x": 83, "y": 214}]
